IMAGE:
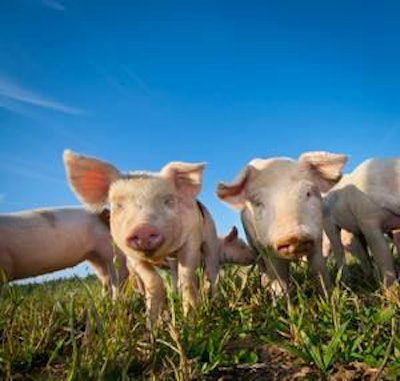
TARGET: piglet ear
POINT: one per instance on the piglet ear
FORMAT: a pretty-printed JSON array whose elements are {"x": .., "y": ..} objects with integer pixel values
[
  {"x": 234, "y": 193},
  {"x": 187, "y": 177},
  {"x": 325, "y": 168},
  {"x": 89, "y": 178},
  {"x": 232, "y": 235}
]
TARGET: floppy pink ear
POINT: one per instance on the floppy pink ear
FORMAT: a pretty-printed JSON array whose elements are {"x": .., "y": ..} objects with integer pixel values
[
  {"x": 186, "y": 177},
  {"x": 325, "y": 168},
  {"x": 89, "y": 178},
  {"x": 232, "y": 235},
  {"x": 234, "y": 193}
]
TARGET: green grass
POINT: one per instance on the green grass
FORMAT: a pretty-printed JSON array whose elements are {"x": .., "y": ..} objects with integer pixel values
[{"x": 68, "y": 330}]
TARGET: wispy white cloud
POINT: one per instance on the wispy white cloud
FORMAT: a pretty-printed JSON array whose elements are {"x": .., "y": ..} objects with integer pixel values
[
  {"x": 388, "y": 136},
  {"x": 138, "y": 80},
  {"x": 11, "y": 105},
  {"x": 66, "y": 133},
  {"x": 110, "y": 78},
  {"x": 123, "y": 79},
  {"x": 12, "y": 91},
  {"x": 53, "y": 4}
]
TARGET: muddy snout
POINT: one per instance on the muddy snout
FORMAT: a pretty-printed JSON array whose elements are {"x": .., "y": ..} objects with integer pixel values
[
  {"x": 294, "y": 246},
  {"x": 145, "y": 238}
]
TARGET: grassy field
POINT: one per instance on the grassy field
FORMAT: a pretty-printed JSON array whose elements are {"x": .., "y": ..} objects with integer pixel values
[{"x": 67, "y": 330}]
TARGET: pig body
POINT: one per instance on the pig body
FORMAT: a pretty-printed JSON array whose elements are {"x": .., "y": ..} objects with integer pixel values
[
  {"x": 233, "y": 250},
  {"x": 209, "y": 248},
  {"x": 229, "y": 249},
  {"x": 280, "y": 204},
  {"x": 354, "y": 244},
  {"x": 366, "y": 202},
  {"x": 153, "y": 216},
  {"x": 37, "y": 242}
]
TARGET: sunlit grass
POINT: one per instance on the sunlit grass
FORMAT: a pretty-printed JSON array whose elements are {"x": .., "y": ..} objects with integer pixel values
[{"x": 69, "y": 330}]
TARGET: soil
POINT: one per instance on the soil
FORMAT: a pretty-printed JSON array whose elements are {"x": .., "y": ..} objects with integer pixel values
[{"x": 276, "y": 363}]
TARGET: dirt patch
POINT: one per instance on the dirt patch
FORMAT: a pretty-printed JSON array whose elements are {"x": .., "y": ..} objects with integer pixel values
[{"x": 275, "y": 363}]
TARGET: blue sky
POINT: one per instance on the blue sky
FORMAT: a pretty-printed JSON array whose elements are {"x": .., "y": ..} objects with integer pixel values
[{"x": 141, "y": 83}]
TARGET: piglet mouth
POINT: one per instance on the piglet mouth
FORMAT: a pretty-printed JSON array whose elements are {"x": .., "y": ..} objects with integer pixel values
[
  {"x": 294, "y": 247},
  {"x": 144, "y": 250}
]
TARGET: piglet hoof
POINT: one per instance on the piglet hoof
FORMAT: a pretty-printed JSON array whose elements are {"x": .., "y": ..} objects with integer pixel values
[
  {"x": 278, "y": 289},
  {"x": 265, "y": 282}
]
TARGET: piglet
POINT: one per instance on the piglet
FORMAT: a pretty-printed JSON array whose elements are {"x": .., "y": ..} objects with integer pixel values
[
  {"x": 366, "y": 202},
  {"x": 356, "y": 245},
  {"x": 280, "y": 204},
  {"x": 230, "y": 249},
  {"x": 153, "y": 216},
  {"x": 234, "y": 250},
  {"x": 40, "y": 241}
]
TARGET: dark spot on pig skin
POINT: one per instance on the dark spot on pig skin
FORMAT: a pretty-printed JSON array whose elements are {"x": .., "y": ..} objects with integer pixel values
[
  {"x": 105, "y": 217},
  {"x": 202, "y": 209},
  {"x": 48, "y": 216}
]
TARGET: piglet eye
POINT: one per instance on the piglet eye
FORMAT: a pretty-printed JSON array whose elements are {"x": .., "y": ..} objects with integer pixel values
[
  {"x": 313, "y": 191},
  {"x": 169, "y": 201},
  {"x": 258, "y": 204},
  {"x": 118, "y": 205}
]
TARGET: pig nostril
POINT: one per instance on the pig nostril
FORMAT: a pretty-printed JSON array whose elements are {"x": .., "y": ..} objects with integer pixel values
[{"x": 145, "y": 238}]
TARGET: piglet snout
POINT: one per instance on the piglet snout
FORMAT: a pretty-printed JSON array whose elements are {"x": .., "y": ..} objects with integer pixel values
[
  {"x": 294, "y": 246},
  {"x": 145, "y": 238}
]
